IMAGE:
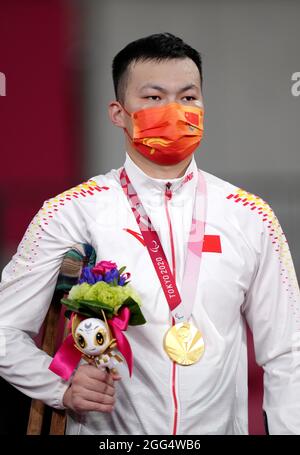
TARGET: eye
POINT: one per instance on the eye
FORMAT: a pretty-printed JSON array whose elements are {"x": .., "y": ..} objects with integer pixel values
[
  {"x": 81, "y": 341},
  {"x": 189, "y": 98},
  {"x": 153, "y": 97},
  {"x": 99, "y": 338}
]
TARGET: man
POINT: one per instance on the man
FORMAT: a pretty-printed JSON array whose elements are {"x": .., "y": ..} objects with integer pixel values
[{"x": 246, "y": 271}]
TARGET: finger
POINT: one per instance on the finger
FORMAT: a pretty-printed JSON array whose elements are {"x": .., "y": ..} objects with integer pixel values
[
  {"x": 113, "y": 377},
  {"x": 114, "y": 373},
  {"x": 95, "y": 385},
  {"x": 96, "y": 397},
  {"x": 93, "y": 372},
  {"x": 89, "y": 406},
  {"x": 116, "y": 376}
]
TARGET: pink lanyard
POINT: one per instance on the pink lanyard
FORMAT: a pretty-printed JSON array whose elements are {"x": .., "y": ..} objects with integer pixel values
[{"x": 181, "y": 308}]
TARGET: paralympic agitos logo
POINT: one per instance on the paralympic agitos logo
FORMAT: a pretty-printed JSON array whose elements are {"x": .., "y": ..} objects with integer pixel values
[
  {"x": 155, "y": 246},
  {"x": 295, "y": 89}
]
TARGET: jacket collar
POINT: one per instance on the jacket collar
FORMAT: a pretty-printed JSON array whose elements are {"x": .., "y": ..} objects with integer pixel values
[{"x": 148, "y": 187}]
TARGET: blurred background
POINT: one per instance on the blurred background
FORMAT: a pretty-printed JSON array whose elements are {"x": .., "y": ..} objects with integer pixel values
[{"x": 55, "y": 133}]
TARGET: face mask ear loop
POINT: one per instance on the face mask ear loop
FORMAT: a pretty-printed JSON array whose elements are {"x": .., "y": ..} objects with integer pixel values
[
  {"x": 123, "y": 107},
  {"x": 125, "y": 129}
]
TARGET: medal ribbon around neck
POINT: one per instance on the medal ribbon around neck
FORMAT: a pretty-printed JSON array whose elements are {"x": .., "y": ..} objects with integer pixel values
[{"x": 181, "y": 308}]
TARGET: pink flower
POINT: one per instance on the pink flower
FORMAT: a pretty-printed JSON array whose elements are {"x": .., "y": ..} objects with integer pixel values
[{"x": 103, "y": 266}]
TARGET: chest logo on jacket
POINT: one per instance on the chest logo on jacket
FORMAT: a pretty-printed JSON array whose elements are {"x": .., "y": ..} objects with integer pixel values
[{"x": 211, "y": 243}]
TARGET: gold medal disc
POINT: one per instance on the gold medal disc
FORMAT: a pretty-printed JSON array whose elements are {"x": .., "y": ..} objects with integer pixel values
[{"x": 184, "y": 343}]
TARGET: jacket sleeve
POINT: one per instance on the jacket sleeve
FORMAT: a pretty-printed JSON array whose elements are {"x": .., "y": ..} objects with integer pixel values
[
  {"x": 272, "y": 309},
  {"x": 26, "y": 290}
]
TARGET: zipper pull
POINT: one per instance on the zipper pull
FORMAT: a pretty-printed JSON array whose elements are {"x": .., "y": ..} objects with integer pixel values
[{"x": 168, "y": 192}]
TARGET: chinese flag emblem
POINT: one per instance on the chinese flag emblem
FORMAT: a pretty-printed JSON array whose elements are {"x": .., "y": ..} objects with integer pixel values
[{"x": 192, "y": 118}]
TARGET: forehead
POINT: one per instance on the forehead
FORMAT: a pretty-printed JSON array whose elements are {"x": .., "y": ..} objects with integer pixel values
[{"x": 171, "y": 74}]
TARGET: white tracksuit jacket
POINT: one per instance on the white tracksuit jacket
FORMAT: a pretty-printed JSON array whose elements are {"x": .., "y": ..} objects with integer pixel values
[{"x": 246, "y": 271}]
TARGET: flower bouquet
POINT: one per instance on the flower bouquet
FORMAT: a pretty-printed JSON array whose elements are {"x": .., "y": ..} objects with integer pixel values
[{"x": 99, "y": 307}]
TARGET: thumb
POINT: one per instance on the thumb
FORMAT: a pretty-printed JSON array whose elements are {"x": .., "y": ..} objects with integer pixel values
[{"x": 116, "y": 376}]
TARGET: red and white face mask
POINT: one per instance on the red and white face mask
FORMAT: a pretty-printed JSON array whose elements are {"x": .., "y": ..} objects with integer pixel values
[{"x": 167, "y": 134}]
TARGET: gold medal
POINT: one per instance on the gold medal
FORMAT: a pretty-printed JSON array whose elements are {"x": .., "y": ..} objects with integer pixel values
[{"x": 184, "y": 343}]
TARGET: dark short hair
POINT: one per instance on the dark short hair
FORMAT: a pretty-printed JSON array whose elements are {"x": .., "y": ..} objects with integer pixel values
[{"x": 157, "y": 47}]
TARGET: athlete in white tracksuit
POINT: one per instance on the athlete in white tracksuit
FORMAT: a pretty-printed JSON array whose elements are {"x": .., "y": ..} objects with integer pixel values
[{"x": 246, "y": 271}]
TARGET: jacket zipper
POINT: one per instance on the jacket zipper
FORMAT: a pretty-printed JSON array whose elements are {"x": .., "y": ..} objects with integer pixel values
[{"x": 168, "y": 197}]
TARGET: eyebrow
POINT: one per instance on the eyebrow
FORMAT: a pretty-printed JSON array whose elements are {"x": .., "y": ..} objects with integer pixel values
[{"x": 163, "y": 90}]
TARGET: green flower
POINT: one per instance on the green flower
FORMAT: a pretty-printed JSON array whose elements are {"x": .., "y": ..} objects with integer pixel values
[
  {"x": 129, "y": 291},
  {"x": 110, "y": 295},
  {"x": 92, "y": 292},
  {"x": 102, "y": 292},
  {"x": 79, "y": 291}
]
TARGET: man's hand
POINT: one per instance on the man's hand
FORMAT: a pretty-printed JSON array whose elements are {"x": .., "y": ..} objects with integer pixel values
[{"x": 92, "y": 389}]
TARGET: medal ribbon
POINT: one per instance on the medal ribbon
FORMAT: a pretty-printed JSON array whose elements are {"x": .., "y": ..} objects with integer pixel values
[{"x": 181, "y": 308}]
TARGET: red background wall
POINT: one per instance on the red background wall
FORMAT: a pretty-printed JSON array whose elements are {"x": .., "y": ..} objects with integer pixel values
[
  {"x": 39, "y": 133},
  {"x": 40, "y": 141},
  {"x": 38, "y": 116}
]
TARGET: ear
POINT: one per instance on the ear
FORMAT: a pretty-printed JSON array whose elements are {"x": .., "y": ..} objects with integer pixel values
[{"x": 116, "y": 114}]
